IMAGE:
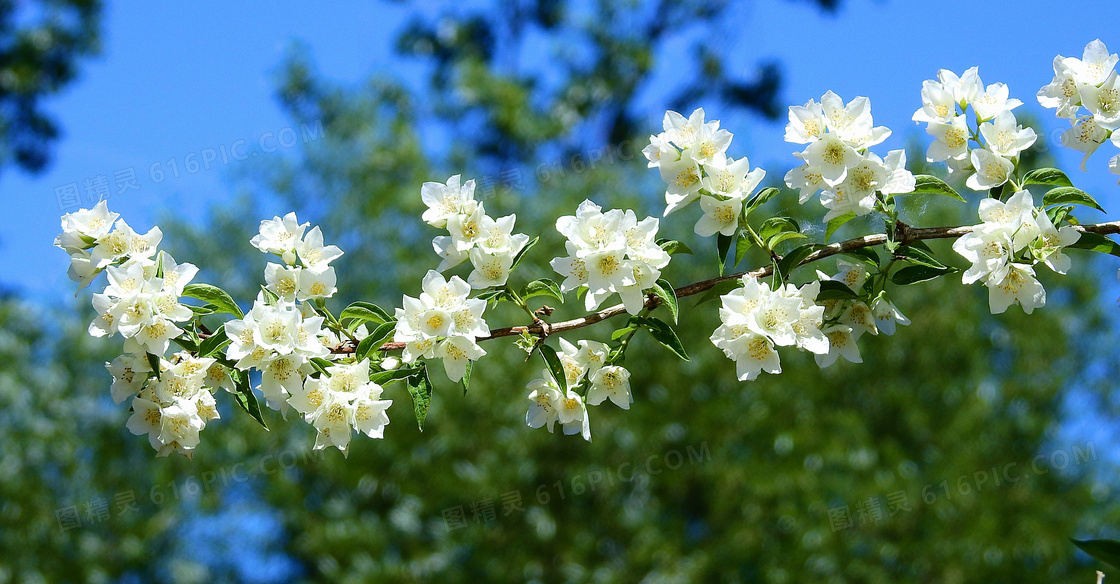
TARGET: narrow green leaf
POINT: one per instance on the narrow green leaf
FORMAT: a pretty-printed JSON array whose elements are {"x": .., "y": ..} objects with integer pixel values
[
  {"x": 835, "y": 223},
  {"x": 214, "y": 295},
  {"x": 723, "y": 245},
  {"x": 420, "y": 388},
  {"x": 555, "y": 367},
  {"x": 542, "y": 287},
  {"x": 927, "y": 184},
  {"x": 466, "y": 380},
  {"x": 663, "y": 332},
  {"x": 865, "y": 255},
  {"x": 742, "y": 244},
  {"x": 915, "y": 274},
  {"x": 668, "y": 297},
  {"x": 833, "y": 290},
  {"x": 673, "y": 247},
  {"x": 794, "y": 259},
  {"x": 761, "y": 197},
  {"x": 918, "y": 256},
  {"x": 1047, "y": 176},
  {"x": 321, "y": 365},
  {"x": 385, "y": 377},
  {"x": 245, "y": 398},
  {"x": 214, "y": 343},
  {"x": 153, "y": 362},
  {"x": 1062, "y": 195},
  {"x": 521, "y": 254},
  {"x": 622, "y": 332},
  {"x": 1098, "y": 243},
  {"x": 1105, "y": 550}
]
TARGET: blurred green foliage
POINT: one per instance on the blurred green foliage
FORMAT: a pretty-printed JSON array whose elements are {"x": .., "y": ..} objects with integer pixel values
[{"x": 728, "y": 481}]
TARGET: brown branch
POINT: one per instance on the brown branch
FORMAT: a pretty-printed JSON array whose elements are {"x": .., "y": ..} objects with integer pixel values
[{"x": 904, "y": 234}]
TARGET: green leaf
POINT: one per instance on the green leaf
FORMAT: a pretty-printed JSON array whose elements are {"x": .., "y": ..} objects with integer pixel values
[
  {"x": 718, "y": 290},
  {"x": 214, "y": 343},
  {"x": 663, "y": 290},
  {"x": 673, "y": 247},
  {"x": 915, "y": 274},
  {"x": 542, "y": 287},
  {"x": 918, "y": 256},
  {"x": 321, "y": 365},
  {"x": 835, "y": 223},
  {"x": 521, "y": 254},
  {"x": 214, "y": 295},
  {"x": 153, "y": 362},
  {"x": 663, "y": 332},
  {"x": 774, "y": 229},
  {"x": 1098, "y": 243},
  {"x": 201, "y": 310},
  {"x": 742, "y": 244},
  {"x": 622, "y": 332},
  {"x": 245, "y": 398},
  {"x": 420, "y": 388},
  {"x": 378, "y": 337},
  {"x": 1062, "y": 195},
  {"x": 723, "y": 245},
  {"x": 466, "y": 380},
  {"x": 555, "y": 367},
  {"x": 1105, "y": 550},
  {"x": 833, "y": 290},
  {"x": 926, "y": 184},
  {"x": 761, "y": 197},
  {"x": 493, "y": 294},
  {"x": 865, "y": 255},
  {"x": 795, "y": 257},
  {"x": 367, "y": 312},
  {"x": 1047, "y": 176},
  {"x": 385, "y": 377}
]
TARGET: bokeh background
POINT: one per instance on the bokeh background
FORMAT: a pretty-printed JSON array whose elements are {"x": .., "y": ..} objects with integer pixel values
[{"x": 967, "y": 448}]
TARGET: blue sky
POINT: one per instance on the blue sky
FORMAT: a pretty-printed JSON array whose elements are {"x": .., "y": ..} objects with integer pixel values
[{"x": 177, "y": 84}]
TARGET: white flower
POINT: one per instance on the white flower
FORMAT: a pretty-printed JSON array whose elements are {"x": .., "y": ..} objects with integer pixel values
[
  {"x": 886, "y": 314},
  {"x": 545, "y": 398},
  {"x": 938, "y": 103},
  {"x": 993, "y": 102},
  {"x": 1048, "y": 247},
  {"x": 951, "y": 139},
  {"x": 316, "y": 285},
  {"x": 806, "y": 123},
  {"x": 466, "y": 228},
  {"x": 1062, "y": 93},
  {"x": 992, "y": 170},
  {"x": 279, "y": 236},
  {"x": 338, "y": 403},
  {"x": 806, "y": 179},
  {"x": 1015, "y": 217},
  {"x": 719, "y": 216},
  {"x": 456, "y": 351},
  {"x": 682, "y": 176},
  {"x": 611, "y": 382},
  {"x": 123, "y": 242},
  {"x": 852, "y": 122},
  {"x": 989, "y": 250},
  {"x": 130, "y": 372},
  {"x": 1018, "y": 285},
  {"x": 445, "y": 201},
  {"x": 180, "y": 424},
  {"x": 282, "y": 280},
  {"x": 81, "y": 228},
  {"x": 1086, "y": 136},
  {"x": 1094, "y": 66},
  {"x": 1005, "y": 137},
  {"x": 146, "y": 418},
  {"x": 841, "y": 343},
  {"x": 965, "y": 88},
  {"x": 314, "y": 255},
  {"x": 571, "y": 412},
  {"x": 1104, "y": 101},
  {"x": 832, "y": 157}
]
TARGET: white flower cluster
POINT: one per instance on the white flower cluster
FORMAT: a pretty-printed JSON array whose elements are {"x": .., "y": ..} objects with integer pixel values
[
  {"x": 755, "y": 320},
  {"x": 1090, "y": 82},
  {"x": 490, "y": 244},
  {"x": 141, "y": 303},
  {"x": 172, "y": 408},
  {"x": 1003, "y": 249},
  {"x": 691, "y": 156},
  {"x": 944, "y": 103},
  {"x": 342, "y": 402},
  {"x": 610, "y": 253},
  {"x": 306, "y": 272},
  {"x": 584, "y": 366},
  {"x": 442, "y": 323},
  {"x": 837, "y": 160}
]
